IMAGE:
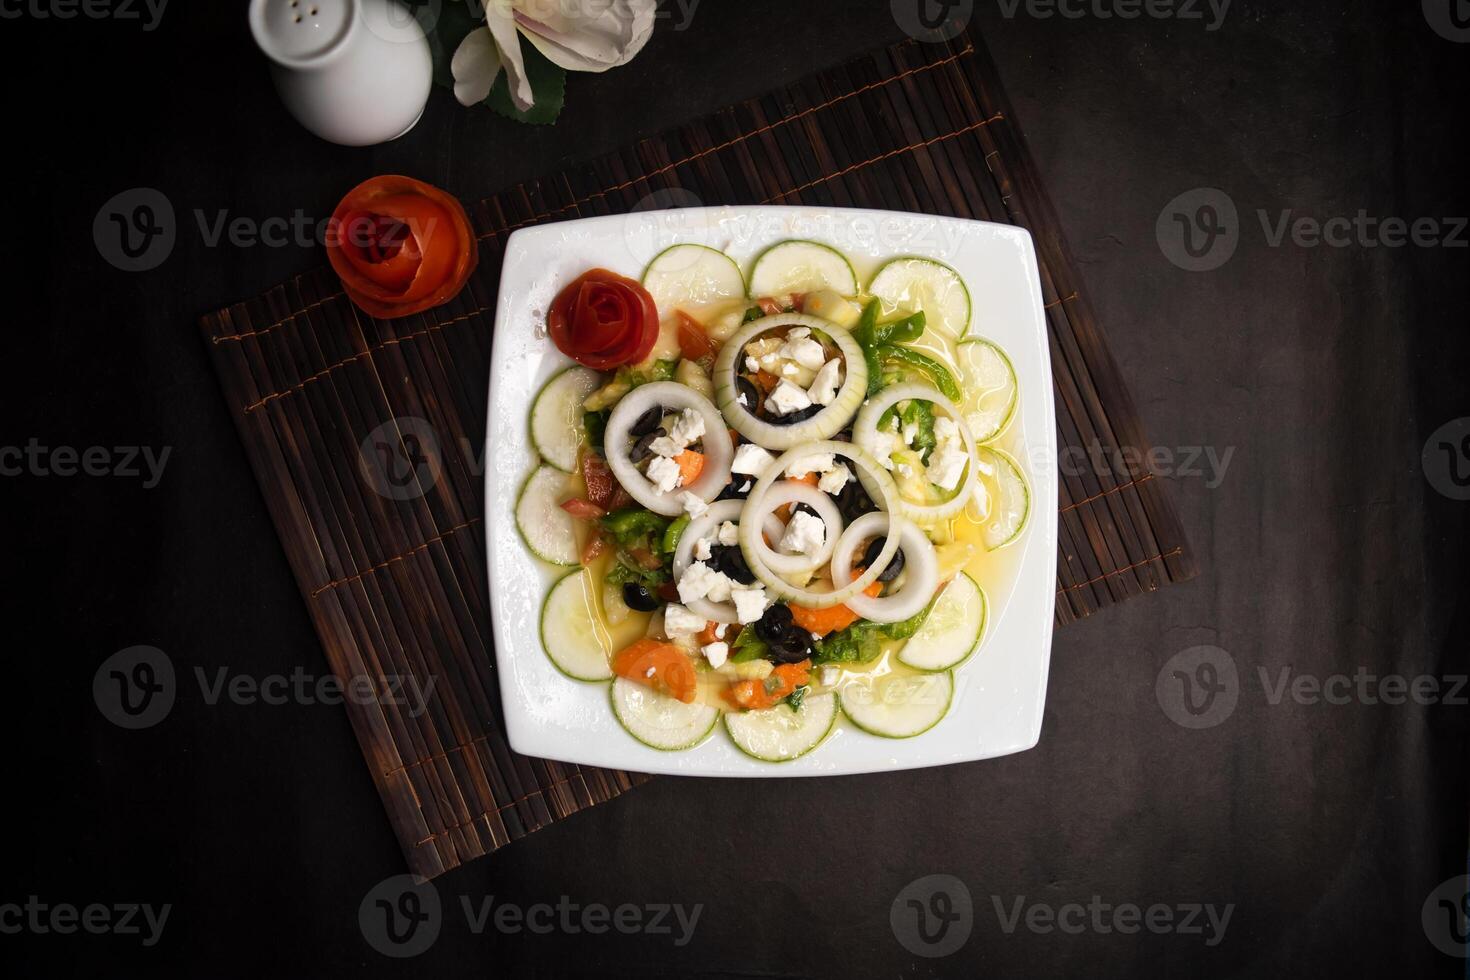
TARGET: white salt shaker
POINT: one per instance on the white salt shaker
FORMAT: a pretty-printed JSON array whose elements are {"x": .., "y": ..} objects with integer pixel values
[{"x": 355, "y": 72}]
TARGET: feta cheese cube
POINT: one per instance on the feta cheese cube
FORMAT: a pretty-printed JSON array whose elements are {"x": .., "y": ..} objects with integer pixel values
[
  {"x": 804, "y": 351},
  {"x": 687, "y": 428},
  {"x": 945, "y": 429},
  {"x": 716, "y": 654},
  {"x": 751, "y": 460},
  {"x": 752, "y": 365},
  {"x": 664, "y": 474},
  {"x": 750, "y": 604},
  {"x": 815, "y": 463},
  {"x": 666, "y": 447},
  {"x": 905, "y": 470},
  {"x": 910, "y": 433},
  {"x": 787, "y": 398},
  {"x": 834, "y": 479},
  {"x": 679, "y": 621},
  {"x": 830, "y": 675},
  {"x": 693, "y": 505},
  {"x": 697, "y": 582},
  {"x": 947, "y": 466},
  {"x": 824, "y": 386},
  {"x": 702, "y": 549},
  {"x": 729, "y": 533},
  {"x": 720, "y": 629},
  {"x": 804, "y": 534},
  {"x": 796, "y": 333}
]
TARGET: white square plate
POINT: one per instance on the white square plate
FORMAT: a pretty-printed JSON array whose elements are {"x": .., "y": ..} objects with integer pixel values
[{"x": 999, "y": 693}]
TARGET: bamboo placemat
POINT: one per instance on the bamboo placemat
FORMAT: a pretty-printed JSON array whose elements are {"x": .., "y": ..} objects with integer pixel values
[{"x": 394, "y": 576}]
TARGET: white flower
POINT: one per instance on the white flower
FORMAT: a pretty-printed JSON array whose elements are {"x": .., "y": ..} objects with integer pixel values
[{"x": 578, "y": 35}]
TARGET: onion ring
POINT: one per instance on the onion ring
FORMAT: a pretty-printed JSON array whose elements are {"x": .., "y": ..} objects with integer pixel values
[
  {"x": 787, "y": 492},
  {"x": 921, "y": 568},
  {"x": 700, "y": 527},
  {"x": 718, "y": 451},
  {"x": 880, "y": 488},
  {"x": 831, "y": 420},
  {"x": 865, "y": 434}
]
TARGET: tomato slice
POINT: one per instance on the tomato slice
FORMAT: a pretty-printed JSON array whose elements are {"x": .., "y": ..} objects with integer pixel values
[
  {"x": 400, "y": 246},
  {"x": 694, "y": 343}
]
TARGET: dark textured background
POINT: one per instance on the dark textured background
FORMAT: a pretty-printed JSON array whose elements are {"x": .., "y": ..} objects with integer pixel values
[{"x": 1323, "y": 549}]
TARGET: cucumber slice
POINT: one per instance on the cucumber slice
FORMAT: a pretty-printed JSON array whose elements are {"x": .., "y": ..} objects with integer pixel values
[
  {"x": 659, "y": 721},
  {"x": 1006, "y": 496},
  {"x": 549, "y": 531},
  {"x": 923, "y": 284},
  {"x": 801, "y": 267},
  {"x": 780, "y": 734},
  {"x": 570, "y": 633},
  {"x": 556, "y": 416},
  {"x": 952, "y": 630},
  {"x": 692, "y": 276},
  {"x": 897, "y": 705},
  {"x": 991, "y": 393}
]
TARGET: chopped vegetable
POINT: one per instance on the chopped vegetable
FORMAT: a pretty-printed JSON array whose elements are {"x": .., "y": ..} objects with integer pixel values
[
  {"x": 632, "y": 525},
  {"x": 691, "y": 464},
  {"x": 582, "y": 510},
  {"x": 670, "y": 542},
  {"x": 920, "y": 415},
  {"x": 858, "y": 643},
  {"x": 595, "y": 424},
  {"x": 694, "y": 343},
  {"x": 831, "y": 619},
  {"x": 875, "y": 339},
  {"x": 661, "y": 666},
  {"x": 906, "y": 628},
  {"x": 748, "y": 647},
  {"x": 779, "y": 684},
  {"x": 942, "y": 377},
  {"x": 796, "y": 697},
  {"x": 752, "y": 314},
  {"x": 601, "y": 487}
]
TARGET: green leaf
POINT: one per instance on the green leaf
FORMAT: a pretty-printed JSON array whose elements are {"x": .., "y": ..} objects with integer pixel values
[
  {"x": 796, "y": 697},
  {"x": 548, "y": 89}
]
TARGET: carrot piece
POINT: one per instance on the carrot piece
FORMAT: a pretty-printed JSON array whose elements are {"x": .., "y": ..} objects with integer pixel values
[
  {"x": 755, "y": 695},
  {"x": 691, "y": 464},
  {"x": 661, "y": 666},
  {"x": 831, "y": 619},
  {"x": 707, "y": 635}
]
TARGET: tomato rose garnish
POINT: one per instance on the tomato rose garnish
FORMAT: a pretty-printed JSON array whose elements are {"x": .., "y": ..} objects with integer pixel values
[
  {"x": 400, "y": 246},
  {"x": 603, "y": 320}
]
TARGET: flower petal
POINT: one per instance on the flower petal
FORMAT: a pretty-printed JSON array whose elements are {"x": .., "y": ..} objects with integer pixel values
[
  {"x": 593, "y": 35},
  {"x": 500, "y": 18},
  {"x": 475, "y": 66}
]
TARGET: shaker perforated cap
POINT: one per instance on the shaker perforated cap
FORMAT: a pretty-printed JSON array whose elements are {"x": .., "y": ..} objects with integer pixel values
[{"x": 298, "y": 32}]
